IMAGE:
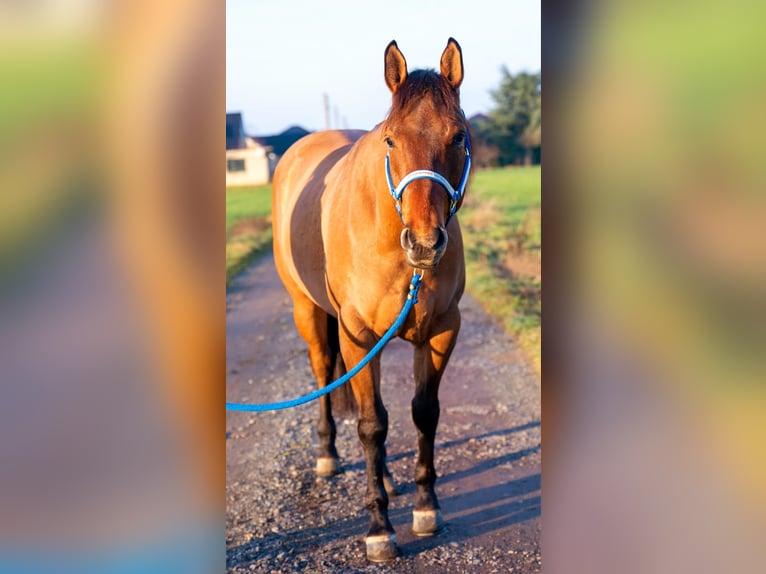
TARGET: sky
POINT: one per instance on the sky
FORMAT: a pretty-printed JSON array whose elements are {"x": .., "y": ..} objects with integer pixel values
[{"x": 282, "y": 56}]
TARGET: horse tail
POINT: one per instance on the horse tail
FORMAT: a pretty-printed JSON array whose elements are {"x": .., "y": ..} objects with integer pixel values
[{"x": 342, "y": 398}]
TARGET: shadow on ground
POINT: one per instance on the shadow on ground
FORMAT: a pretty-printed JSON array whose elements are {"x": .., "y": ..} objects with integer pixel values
[{"x": 468, "y": 515}]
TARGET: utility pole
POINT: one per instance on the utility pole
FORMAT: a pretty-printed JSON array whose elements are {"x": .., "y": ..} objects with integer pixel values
[{"x": 326, "y": 111}]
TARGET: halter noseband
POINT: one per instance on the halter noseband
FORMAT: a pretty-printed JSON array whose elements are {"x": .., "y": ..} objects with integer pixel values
[{"x": 455, "y": 195}]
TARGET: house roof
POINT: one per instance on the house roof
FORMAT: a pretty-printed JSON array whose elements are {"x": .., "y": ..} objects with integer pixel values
[
  {"x": 235, "y": 131},
  {"x": 280, "y": 142},
  {"x": 236, "y": 137},
  {"x": 476, "y": 118}
]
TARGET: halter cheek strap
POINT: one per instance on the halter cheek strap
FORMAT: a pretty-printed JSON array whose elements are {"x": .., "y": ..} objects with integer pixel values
[{"x": 455, "y": 195}]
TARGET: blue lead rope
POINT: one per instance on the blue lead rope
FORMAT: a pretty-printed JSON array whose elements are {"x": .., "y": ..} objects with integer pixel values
[{"x": 392, "y": 330}]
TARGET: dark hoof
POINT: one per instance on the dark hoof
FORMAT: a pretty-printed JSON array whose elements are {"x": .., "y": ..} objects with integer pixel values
[
  {"x": 381, "y": 548},
  {"x": 426, "y": 522},
  {"x": 327, "y": 467}
]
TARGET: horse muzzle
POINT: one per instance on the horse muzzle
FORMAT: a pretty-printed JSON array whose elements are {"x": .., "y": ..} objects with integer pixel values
[{"x": 424, "y": 252}]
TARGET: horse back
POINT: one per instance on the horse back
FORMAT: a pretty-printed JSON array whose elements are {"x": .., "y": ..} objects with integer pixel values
[{"x": 300, "y": 180}]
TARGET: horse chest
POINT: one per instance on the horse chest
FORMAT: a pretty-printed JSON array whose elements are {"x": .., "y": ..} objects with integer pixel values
[
  {"x": 379, "y": 314},
  {"x": 418, "y": 327}
]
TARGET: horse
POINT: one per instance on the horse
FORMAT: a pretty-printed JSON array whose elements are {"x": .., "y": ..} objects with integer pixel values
[{"x": 355, "y": 214}]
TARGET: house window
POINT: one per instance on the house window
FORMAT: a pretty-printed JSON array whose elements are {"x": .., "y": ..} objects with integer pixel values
[{"x": 235, "y": 165}]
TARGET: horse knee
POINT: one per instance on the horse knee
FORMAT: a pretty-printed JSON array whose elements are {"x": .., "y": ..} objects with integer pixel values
[
  {"x": 373, "y": 431},
  {"x": 373, "y": 427},
  {"x": 425, "y": 414}
]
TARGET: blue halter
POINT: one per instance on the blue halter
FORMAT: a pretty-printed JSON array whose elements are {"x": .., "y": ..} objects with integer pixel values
[{"x": 455, "y": 195}]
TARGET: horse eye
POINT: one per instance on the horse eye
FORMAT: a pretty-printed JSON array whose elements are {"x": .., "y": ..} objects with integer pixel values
[
  {"x": 458, "y": 138},
  {"x": 389, "y": 143}
]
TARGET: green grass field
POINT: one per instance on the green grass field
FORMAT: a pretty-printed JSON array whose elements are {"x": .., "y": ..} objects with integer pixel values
[
  {"x": 248, "y": 226},
  {"x": 501, "y": 223},
  {"x": 500, "y": 219}
]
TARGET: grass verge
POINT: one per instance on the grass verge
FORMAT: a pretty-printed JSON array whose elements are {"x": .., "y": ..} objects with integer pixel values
[
  {"x": 501, "y": 223},
  {"x": 248, "y": 226}
]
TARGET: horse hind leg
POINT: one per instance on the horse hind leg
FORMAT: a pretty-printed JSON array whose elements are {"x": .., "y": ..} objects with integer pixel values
[
  {"x": 316, "y": 328},
  {"x": 342, "y": 398},
  {"x": 341, "y": 403}
]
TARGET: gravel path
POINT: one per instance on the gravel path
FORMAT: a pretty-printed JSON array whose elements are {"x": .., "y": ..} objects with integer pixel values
[{"x": 281, "y": 518}]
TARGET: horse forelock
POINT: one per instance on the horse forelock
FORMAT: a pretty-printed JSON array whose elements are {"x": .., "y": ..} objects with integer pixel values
[{"x": 420, "y": 85}]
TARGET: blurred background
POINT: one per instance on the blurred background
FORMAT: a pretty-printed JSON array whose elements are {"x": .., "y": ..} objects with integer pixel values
[
  {"x": 112, "y": 305},
  {"x": 112, "y": 349},
  {"x": 653, "y": 196}
]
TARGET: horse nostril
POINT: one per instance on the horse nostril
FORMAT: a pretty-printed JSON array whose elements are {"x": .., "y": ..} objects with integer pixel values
[
  {"x": 406, "y": 239},
  {"x": 441, "y": 238}
]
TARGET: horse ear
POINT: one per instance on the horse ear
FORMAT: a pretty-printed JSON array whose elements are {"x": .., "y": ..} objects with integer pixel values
[
  {"x": 452, "y": 64},
  {"x": 396, "y": 67}
]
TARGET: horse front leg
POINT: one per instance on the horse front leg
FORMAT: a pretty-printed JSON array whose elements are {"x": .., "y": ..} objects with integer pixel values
[
  {"x": 431, "y": 359},
  {"x": 372, "y": 429}
]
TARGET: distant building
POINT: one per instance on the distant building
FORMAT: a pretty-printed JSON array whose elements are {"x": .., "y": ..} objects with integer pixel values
[
  {"x": 248, "y": 162},
  {"x": 251, "y": 160},
  {"x": 235, "y": 131},
  {"x": 281, "y": 142}
]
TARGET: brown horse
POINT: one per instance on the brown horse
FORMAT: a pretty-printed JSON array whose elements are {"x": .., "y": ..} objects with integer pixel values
[{"x": 345, "y": 250}]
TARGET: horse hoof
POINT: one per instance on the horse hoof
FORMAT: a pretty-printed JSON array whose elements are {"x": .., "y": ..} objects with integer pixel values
[
  {"x": 426, "y": 522},
  {"x": 327, "y": 467},
  {"x": 381, "y": 547},
  {"x": 390, "y": 485}
]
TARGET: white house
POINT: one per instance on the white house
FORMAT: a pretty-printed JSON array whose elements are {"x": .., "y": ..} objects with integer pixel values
[{"x": 248, "y": 162}]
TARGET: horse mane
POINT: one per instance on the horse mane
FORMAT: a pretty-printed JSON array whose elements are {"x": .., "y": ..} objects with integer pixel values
[{"x": 418, "y": 85}]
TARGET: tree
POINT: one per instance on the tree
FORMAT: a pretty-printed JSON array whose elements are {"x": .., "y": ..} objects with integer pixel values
[
  {"x": 484, "y": 152},
  {"x": 531, "y": 137},
  {"x": 515, "y": 124}
]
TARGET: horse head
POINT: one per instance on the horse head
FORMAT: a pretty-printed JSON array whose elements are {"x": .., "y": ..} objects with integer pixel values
[{"x": 427, "y": 151}]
